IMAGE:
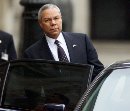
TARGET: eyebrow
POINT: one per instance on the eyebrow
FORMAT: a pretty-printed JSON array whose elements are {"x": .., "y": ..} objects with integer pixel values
[{"x": 52, "y": 17}]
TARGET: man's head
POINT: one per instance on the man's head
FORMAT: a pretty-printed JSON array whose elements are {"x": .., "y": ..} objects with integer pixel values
[{"x": 50, "y": 20}]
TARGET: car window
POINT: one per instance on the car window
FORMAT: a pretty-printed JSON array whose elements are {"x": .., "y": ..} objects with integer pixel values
[
  {"x": 91, "y": 101},
  {"x": 30, "y": 85},
  {"x": 110, "y": 93},
  {"x": 115, "y": 92}
]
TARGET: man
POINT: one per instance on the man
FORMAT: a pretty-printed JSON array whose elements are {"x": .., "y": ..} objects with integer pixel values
[
  {"x": 78, "y": 48},
  {"x": 7, "y": 49}
]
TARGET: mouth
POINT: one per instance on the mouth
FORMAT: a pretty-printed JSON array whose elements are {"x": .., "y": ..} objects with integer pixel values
[{"x": 54, "y": 29}]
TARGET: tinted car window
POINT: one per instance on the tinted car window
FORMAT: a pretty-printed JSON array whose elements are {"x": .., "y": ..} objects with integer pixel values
[{"x": 30, "y": 85}]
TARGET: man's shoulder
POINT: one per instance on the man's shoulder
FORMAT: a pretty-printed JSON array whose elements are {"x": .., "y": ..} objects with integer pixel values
[
  {"x": 74, "y": 34},
  {"x": 35, "y": 45},
  {"x": 5, "y": 35},
  {"x": 6, "y": 38}
]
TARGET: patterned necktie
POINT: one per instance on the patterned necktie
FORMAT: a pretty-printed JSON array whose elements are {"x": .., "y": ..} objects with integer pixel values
[{"x": 61, "y": 53}]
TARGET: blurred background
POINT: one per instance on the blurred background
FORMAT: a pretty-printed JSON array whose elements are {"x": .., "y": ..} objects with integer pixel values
[{"x": 107, "y": 23}]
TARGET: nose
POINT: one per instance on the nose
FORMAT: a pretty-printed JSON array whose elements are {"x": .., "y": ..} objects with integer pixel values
[{"x": 53, "y": 22}]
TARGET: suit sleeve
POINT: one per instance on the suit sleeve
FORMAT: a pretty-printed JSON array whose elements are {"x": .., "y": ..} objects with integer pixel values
[{"x": 93, "y": 59}]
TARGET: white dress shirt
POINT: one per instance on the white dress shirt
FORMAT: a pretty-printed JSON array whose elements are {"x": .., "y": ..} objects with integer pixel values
[{"x": 53, "y": 46}]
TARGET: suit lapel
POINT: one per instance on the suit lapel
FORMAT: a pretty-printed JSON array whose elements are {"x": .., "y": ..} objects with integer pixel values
[
  {"x": 45, "y": 52},
  {"x": 71, "y": 45}
]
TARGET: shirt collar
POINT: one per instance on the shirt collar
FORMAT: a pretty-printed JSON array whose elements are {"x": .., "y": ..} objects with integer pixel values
[
  {"x": 60, "y": 38},
  {"x": 51, "y": 41}
]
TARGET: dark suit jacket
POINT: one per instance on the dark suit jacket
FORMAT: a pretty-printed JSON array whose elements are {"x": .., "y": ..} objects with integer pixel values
[
  {"x": 80, "y": 48},
  {"x": 7, "y": 45}
]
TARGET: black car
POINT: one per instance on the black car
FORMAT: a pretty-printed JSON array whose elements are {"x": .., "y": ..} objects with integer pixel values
[
  {"x": 40, "y": 85},
  {"x": 110, "y": 90}
]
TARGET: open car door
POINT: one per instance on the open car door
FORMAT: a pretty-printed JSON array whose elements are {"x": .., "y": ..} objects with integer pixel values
[{"x": 41, "y": 85}]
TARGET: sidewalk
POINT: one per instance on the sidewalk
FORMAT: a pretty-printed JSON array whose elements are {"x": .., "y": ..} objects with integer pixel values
[{"x": 112, "y": 51}]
